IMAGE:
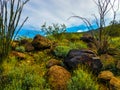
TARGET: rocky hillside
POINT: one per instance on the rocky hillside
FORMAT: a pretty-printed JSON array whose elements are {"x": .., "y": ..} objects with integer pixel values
[{"x": 61, "y": 62}]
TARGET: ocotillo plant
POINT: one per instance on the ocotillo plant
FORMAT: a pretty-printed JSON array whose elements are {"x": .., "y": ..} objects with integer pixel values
[
  {"x": 101, "y": 40},
  {"x": 10, "y": 15}
]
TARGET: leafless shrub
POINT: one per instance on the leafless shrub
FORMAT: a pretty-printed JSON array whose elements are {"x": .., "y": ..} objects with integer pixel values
[{"x": 101, "y": 40}]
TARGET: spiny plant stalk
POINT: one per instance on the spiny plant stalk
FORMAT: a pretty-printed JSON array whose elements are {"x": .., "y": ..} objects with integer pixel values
[
  {"x": 10, "y": 14},
  {"x": 101, "y": 40}
]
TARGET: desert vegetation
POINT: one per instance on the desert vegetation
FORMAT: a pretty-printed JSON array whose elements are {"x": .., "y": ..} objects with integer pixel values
[
  {"x": 9, "y": 23},
  {"x": 60, "y": 60}
]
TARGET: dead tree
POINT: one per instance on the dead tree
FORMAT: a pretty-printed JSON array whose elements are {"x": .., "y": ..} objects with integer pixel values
[{"x": 101, "y": 40}]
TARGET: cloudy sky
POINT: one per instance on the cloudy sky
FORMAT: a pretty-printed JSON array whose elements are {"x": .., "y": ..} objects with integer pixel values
[{"x": 58, "y": 11}]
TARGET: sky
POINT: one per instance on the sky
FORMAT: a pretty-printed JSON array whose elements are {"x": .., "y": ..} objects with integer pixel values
[{"x": 58, "y": 11}]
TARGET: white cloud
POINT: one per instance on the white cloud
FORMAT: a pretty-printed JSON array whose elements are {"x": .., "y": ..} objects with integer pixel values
[
  {"x": 80, "y": 31},
  {"x": 58, "y": 11}
]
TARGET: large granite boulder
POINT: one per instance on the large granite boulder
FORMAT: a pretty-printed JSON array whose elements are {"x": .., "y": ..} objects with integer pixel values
[
  {"x": 39, "y": 42},
  {"x": 84, "y": 57},
  {"x": 58, "y": 77}
]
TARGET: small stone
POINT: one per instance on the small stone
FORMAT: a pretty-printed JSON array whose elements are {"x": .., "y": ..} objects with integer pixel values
[
  {"x": 106, "y": 75},
  {"x": 118, "y": 65},
  {"x": 18, "y": 55},
  {"x": 115, "y": 82},
  {"x": 53, "y": 62}
]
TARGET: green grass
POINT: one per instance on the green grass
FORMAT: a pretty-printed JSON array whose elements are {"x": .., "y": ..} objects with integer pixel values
[
  {"x": 22, "y": 76},
  {"x": 82, "y": 80}
]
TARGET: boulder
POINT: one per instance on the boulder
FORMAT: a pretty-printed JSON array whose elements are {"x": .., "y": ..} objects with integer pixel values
[
  {"x": 19, "y": 55},
  {"x": 87, "y": 38},
  {"x": 58, "y": 78},
  {"x": 39, "y": 42},
  {"x": 108, "y": 61},
  {"x": 14, "y": 44},
  {"x": 115, "y": 83},
  {"x": 105, "y": 75},
  {"x": 23, "y": 41},
  {"x": 85, "y": 57},
  {"x": 53, "y": 62},
  {"x": 28, "y": 45},
  {"x": 118, "y": 65}
]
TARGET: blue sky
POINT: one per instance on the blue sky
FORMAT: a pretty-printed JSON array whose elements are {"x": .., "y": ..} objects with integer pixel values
[{"x": 58, "y": 11}]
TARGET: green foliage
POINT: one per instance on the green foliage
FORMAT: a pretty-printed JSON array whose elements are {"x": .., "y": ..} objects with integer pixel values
[
  {"x": 78, "y": 45},
  {"x": 54, "y": 29},
  {"x": 114, "y": 43},
  {"x": 61, "y": 51},
  {"x": 26, "y": 81},
  {"x": 114, "y": 47},
  {"x": 22, "y": 76},
  {"x": 9, "y": 23},
  {"x": 64, "y": 46},
  {"x": 40, "y": 57},
  {"x": 20, "y": 48},
  {"x": 113, "y": 30},
  {"x": 82, "y": 80}
]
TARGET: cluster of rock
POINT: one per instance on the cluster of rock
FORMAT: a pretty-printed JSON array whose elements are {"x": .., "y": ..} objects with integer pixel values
[
  {"x": 111, "y": 79},
  {"x": 57, "y": 76},
  {"x": 38, "y": 43},
  {"x": 84, "y": 57}
]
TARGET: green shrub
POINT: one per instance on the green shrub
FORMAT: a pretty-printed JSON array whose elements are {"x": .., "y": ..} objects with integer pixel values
[
  {"x": 61, "y": 51},
  {"x": 82, "y": 80},
  {"x": 20, "y": 48},
  {"x": 24, "y": 77},
  {"x": 78, "y": 45},
  {"x": 64, "y": 47},
  {"x": 113, "y": 30},
  {"x": 54, "y": 29}
]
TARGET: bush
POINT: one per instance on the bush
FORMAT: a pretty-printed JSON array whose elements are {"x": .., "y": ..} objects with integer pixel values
[
  {"x": 78, "y": 45},
  {"x": 82, "y": 80},
  {"x": 114, "y": 31},
  {"x": 61, "y": 51},
  {"x": 23, "y": 77},
  {"x": 20, "y": 48},
  {"x": 26, "y": 82},
  {"x": 54, "y": 30}
]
